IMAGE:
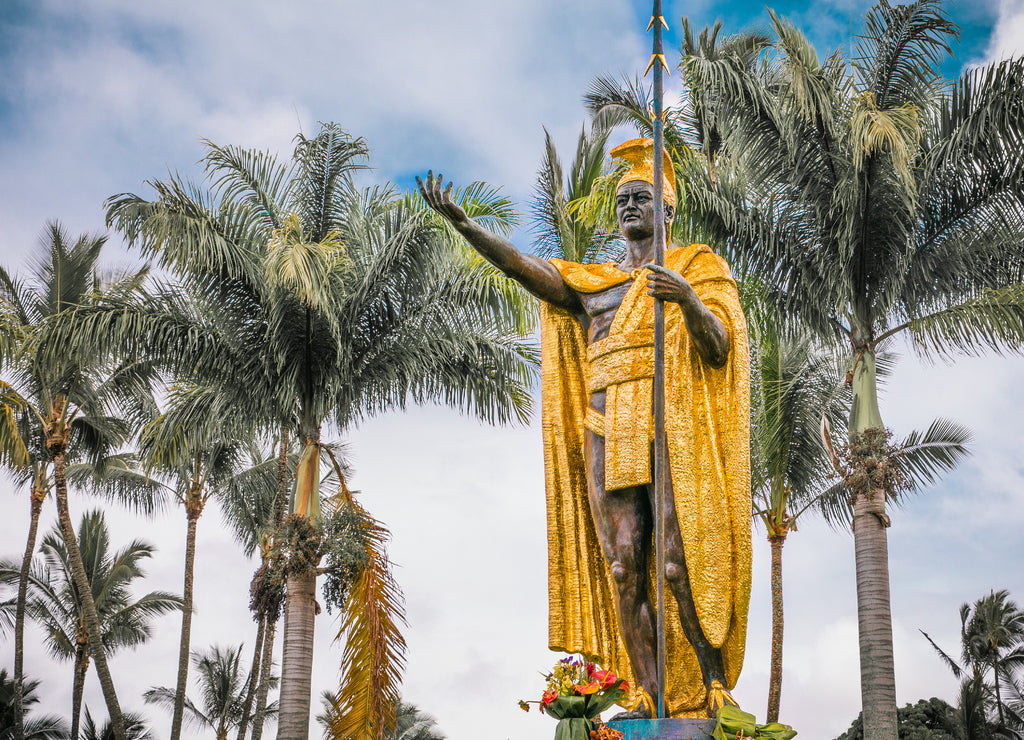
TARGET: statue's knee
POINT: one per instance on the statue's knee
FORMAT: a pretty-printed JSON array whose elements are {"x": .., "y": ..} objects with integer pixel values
[
  {"x": 674, "y": 572},
  {"x": 619, "y": 572}
]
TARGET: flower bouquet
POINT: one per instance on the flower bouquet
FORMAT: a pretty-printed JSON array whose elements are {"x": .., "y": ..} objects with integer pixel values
[{"x": 577, "y": 692}]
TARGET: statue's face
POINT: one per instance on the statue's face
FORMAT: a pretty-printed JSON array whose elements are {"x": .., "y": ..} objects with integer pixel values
[{"x": 634, "y": 208}]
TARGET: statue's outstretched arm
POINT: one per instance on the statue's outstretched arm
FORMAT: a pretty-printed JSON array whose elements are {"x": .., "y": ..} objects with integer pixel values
[{"x": 538, "y": 277}]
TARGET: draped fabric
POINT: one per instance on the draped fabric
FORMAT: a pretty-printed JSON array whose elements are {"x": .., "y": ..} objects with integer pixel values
[{"x": 707, "y": 426}]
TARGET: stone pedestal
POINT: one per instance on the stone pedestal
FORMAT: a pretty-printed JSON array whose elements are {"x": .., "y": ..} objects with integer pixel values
[{"x": 664, "y": 729}]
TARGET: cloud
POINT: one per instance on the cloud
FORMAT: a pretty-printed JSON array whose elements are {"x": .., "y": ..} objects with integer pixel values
[
  {"x": 458, "y": 85},
  {"x": 1008, "y": 33}
]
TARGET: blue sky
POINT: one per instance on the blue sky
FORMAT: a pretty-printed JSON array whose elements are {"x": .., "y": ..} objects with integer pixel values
[{"x": 97, "y": 98}]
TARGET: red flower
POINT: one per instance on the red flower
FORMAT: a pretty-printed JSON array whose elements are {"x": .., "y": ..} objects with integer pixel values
[
  {"x": 605, "y": 678},
  {"x": 549, "y": 696},
  {"x": 590, "y": 669}
]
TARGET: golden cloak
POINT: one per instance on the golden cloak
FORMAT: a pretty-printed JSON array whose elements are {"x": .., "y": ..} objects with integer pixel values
[{"x": 708, "y": 431}]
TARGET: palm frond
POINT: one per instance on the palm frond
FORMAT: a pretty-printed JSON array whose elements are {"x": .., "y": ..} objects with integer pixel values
[
  {"x": 923, "y": 457},
  {"x": 374, "y": 654},
  {"x": 250, "y": 177},
  {"x": 900, "y": 48},
  {"x": 944, "y": 656},
  {"x": 992, "y": 321}
]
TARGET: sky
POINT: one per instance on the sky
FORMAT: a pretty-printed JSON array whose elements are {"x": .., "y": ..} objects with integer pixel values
[{"x": 96, "y": 98}]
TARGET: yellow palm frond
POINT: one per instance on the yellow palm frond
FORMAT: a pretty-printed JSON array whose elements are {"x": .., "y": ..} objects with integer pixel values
[
  {"x": 374, "y": 656},
  {"x": 13, "y": 450},
  {"x": 894, "y": 131},
  {"x": 301, "y": 266}
]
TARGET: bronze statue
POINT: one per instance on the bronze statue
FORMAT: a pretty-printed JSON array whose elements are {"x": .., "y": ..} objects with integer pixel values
[{"x": 597, "y": 365}]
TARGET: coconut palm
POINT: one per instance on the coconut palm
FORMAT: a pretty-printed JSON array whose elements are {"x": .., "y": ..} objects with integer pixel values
[
  {"x": 411, "y": 722},
  {"x": 134, "y": 726},
  {"x": 991, "y": 630},
  {"x": 326, "y": 304},
  {"x": 221, "y": 686},
  {"x": 46, "y": 727},
  {"x": 995, "y": 629},
  {"x": 56, "y": 604},
  {"x": 875, "y": 199},
  {"x": 57, "y": 409}
]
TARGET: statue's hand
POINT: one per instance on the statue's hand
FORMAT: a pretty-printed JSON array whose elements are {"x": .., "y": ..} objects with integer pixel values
[
  {"x": 440, "y": 198},
  {"x": 668, "y": 285}
]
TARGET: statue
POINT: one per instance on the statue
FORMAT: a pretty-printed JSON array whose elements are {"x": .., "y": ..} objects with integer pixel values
[{"x": 597, "y": 368}]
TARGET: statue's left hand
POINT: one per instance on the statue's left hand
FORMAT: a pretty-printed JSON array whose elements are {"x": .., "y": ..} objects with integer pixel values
[
  {"x": 439, "y": 198},
  {"x": 668, "y": 285}
]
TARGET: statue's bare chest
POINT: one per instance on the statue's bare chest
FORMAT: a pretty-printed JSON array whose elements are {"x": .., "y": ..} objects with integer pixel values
[{"x": 600, "y": 310}]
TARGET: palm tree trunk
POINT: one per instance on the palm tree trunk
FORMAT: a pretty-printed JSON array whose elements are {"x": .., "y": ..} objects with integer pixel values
[
  {"x": 999, "y": 699},
  {"x": 270, "y": 620},
  {"x": 871, "y": 548},
  {"x": 297, "y": 658},
  {"x": 78, "y": 685},
  {"x": 193, "y": 509},
  {"x": 281, "y": 501},
  {"x": 874, "y": 618},
  {"x": 254, "y": 679},
  {"x": 775, "y": 674},
  {"x": 266, "y": 665},
  {"x": 92, "y": 619},
  {"x": 38, "y": 495}
]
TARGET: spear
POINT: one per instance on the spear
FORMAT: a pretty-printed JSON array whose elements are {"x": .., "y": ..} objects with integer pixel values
[{"x": 660, "y": 470}]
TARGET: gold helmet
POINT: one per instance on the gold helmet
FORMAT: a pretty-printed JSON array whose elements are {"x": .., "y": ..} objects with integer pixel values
[{"x": 639, "y": 153}]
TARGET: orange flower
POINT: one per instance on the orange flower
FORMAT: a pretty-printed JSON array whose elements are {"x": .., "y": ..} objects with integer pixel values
[{"x": 589, "y": 688}]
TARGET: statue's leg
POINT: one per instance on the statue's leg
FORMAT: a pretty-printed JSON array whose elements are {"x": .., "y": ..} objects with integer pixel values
[
  {"x": 678, "y": 579},
  {"x": 623, "y": 522}
]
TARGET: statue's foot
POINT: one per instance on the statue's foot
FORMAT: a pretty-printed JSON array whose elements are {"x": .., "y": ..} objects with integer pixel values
[
  {"x": 718, "y": 697},
  {"x": 644, "y": 708}
]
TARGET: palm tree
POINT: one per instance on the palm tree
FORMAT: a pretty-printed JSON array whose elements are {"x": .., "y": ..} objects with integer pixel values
[
  {"x": 55, "y": 408},
  {"x": 875, "y": 200},
  {"x": 796, "y": 388},
  {"x": 794, "y": 385},
  {"x": 996, "y": 627},
  {"x": 47, "y": 727},
  {"x": 247, "y": 507},
  {"x": 561, "y": 232},
  {"x": 191, "y": 445},
  {"x": 221, "y": 686},
  {"x": 326, "y": 304},
  {"x": 990, "y": 630},
  {"x": 56, "y": 602},
  {"x": 134, "y": 726},
  {"x": 411, "y": 723}
]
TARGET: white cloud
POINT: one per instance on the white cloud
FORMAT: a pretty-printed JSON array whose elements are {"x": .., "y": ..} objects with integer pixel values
[{"x": 1008, "y": 33}]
